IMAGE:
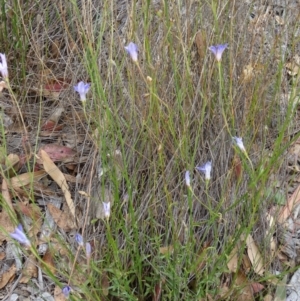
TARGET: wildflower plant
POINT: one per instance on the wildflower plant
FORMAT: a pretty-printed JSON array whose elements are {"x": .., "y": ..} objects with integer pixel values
[
  {"x": 166, "y": 105},
  {"x": 132, "y": 50},
  {"x": 20, "y": 236},
  {"x": 227, "y": 110}
]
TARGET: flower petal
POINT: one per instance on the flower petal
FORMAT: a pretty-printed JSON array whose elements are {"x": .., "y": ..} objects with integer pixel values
[
  {"x": 3, "y": 66},
  {"x": 79, "y": 239},
  {"x": 239, "y": 142},
  {"x": 206, "y": 168},
  {"x": 132, "y": 50},
  {"x": 187, "y": 179},
  {"x": 20, "y": 236},
  {"x": 82, "y": 88},
  {"x": 218, "y": 50}
]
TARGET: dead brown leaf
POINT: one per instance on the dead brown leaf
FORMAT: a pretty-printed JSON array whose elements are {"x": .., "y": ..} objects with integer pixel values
[
  {"x": 59, "y": 178},
  {"x": 269, "y": 234},
  {"x": 6, "y": 197},
  {"x": 12, "y": 165},
  {"x": 295, "y": 148},
  {"x": 63, "y": 219},
  {"x": 268, "y": 298},
  {"x": 83, "y": 193},
  {"x": 53, "y": 87},
  {"x": 55, "y": 46},
  {"x": 279, "y": 20},
  {"x": 202, "y": 257},
  {"x": 3, "y": 85},
  {"x": 7, "y": 215},
  {"x": 57, "y": 153},
  {"x": 6, "y": 224},
  {"x": 245, "y": 291},
  {"x": 232, "y": 264},
  {"x": 248, "y": 73},
  {"x": 29, "y": 210},
  {"x": 166, "y": 250},
  {"x": 49, "y": 262},
  {"x": 158, "y": 290},
  {"x": 246, "y": 264},
  {"x": 201, "y": 43},
  {"x": 223, "y": 291},
  {"x": 60, "y": 248},
  {"x": 27, "y": 178},
  {"x": 30, "y": 269},
  {"x": 105, "y": 283},
  {"x": 34, "y": 213},
  {"x": 255, "y": 256},
  {"x": 256, "y": 287},
  {"x": 286, "y": 211},
  {"x": 7, "y": 276},
  {"x": 52, "y": 123},
  {"x": 49, "y": 128},
  {"x": 2, "y": 255},
  {"x": 292, "y": 68},
  {"x": 73, "y": 179},
  {"x": 237, "y": 167},
  {"x": 40, "y": 189}
]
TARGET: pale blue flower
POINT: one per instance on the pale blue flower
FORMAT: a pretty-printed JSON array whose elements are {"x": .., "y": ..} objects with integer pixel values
[
  {"x": 132, "y": 50},
  {"x": 187, "y": 179},
  {"x": 88, "y": 250},
  {"x": 239, "y": 142},
  {"x": 82, "y": 88},
  {"x": 3, "y": 66},
  {"x": 206, "y": 169},
  {"x": 79, "y": 239},
  {"x": 20, "y": 236},
  {"x": 218, "y": 51},
  {"x": 106, "y": 209},
  {"x": 66, "y": 290}
]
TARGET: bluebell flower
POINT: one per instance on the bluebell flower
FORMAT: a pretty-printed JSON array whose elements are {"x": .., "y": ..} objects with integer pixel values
[
  {"x": 106, "y": 209},
  {"x": 66, "y": 290},
  {"x": 3, "y": 66},
  {"x": 187, "y": 179},
  {"x": 79, "y": 239},
  {"x": 218, "y": 51},
  {"x": 132, "y": 50},
  {"x": 82, "y": 88},
  {"x": 206, "y": 168},
  {"x": 20, "y": 236},
  {"x": 239, "y": 142},
  {"x": 88, "y": 250}
]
